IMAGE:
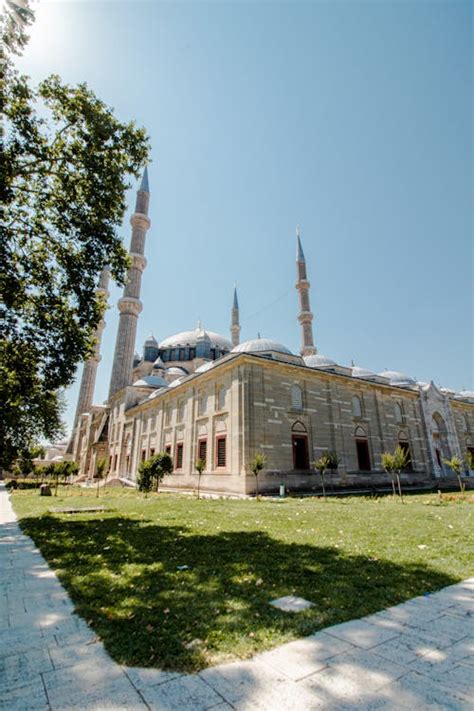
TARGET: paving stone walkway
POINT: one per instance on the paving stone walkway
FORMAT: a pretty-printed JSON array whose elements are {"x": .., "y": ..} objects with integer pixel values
[{"x": 416, "y": 656}]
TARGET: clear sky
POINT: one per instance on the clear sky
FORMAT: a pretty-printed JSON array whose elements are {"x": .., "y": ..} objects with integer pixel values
[{"x": 351, "y": 119}]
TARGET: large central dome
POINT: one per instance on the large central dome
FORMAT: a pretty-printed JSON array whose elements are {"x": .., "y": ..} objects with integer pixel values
[{"x": 191, "y": 338}]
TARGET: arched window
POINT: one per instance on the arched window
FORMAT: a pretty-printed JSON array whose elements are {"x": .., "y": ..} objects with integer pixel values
[
  {"x": 298, "y": 426},
  {"x": 362, "y": 447},
  {"x": 296, "y": 398},
  {"x": 398, "y": 413},
  {"x": 356, "y": 407}
]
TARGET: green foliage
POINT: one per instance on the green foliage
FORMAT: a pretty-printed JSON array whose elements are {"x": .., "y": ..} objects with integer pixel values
[
  {"x": 388, "y": 462},
  {"x": 258, "y": 463},
  {"x": 64, "y": 173},
  {"x": 401, "y": 457},
  {"x": 152, "y": 471},
  {"x": 100, "y": 468},
  {"x": 333, "y": 461},
  {"x": 323, "y": 463}
]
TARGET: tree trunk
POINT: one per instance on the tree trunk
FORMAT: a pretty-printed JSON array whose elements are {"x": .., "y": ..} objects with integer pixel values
[
  {"x": 399, "y": 487},
  {"x": 393, "y": 486},
  {"x": 199, "y": 485},
  {"x": 256, "y": 486},
  {"x": 461, "y": 485},
  {"x": 324, "y": 488}
]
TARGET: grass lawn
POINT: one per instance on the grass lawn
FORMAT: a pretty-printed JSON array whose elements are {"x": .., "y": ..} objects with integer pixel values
[{"x": 351, "y": 557}]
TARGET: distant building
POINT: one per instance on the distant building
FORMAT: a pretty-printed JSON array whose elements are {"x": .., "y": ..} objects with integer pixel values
[{"x": 197, "y": 394}]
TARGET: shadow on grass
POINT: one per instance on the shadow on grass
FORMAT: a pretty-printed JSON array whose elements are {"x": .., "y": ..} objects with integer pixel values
[{"x": 123, "y": 577}]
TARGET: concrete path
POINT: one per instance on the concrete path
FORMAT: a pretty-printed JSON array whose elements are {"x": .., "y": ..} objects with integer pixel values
[{"x": 418, "y": 655}]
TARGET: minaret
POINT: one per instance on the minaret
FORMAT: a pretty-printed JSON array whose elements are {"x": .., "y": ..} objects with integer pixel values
[
  {"x": 89, "y": 373},
  {"x": 305, "y": 316},
  {"x": 130, "y": 305},
  {"x": 235, "y": 321}
]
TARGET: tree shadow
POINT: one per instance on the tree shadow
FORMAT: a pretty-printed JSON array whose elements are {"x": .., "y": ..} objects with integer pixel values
[{"x": 124, "y": 578}]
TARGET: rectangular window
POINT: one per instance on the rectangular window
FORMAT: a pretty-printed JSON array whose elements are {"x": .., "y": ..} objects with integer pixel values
[
  {"x": 152, "y": 452},
  {"x": 202, "y": 449},
  {"x": 168, "y": 449},
  {"x": 363, "y": 456},
  {"x": 143, "y": 455},
  {"x": 221, "y": 451},
  {"x": 179, "y": 456}
]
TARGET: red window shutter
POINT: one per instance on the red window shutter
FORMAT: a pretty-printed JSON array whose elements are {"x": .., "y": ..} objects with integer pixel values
[{"x": 221, "y": 451}]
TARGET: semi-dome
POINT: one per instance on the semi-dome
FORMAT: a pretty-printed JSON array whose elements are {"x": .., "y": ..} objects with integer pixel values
[
  {"x": 158, "y": 364},
  {"x": 176, "y": 370},
  {"x": 318, "y": 360},
  {"x": 358, "y": 372},
  {"x": 150, "y": 381},
  {"x": 261, "y": 345},
  {"x": 397, "y": 378},
  {"x": 190, "y": 338}
]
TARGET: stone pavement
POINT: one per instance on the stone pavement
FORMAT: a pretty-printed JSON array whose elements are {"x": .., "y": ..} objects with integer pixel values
[{"x": 418, "y": 655}]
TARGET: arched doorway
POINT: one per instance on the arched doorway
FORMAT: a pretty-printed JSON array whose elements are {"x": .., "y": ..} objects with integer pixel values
[
  {"x": 362, "y": 447},
  {"x": 404, "y": 444},
  {"x": 299, "y": 442}
]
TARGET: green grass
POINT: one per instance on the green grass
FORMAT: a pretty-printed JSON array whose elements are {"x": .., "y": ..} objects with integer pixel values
[{"x": 351, "y": 557}]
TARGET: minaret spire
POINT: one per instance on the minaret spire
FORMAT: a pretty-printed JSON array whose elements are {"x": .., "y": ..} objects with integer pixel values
[
  {"x": 305, "y": 316},
  {"x": 130, "y": 305},
  {"x": 89, "y": 373},
  {"x": 235, "y": 320}
]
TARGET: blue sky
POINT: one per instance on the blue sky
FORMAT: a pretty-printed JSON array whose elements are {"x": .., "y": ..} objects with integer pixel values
[{"x": 351, "y": 119}]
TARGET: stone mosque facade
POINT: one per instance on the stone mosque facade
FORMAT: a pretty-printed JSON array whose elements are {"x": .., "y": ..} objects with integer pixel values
[{"x": 200, "y": 395}]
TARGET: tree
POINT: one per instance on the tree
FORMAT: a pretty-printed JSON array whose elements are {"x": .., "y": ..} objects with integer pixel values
[
  {"x": 455, "y": 463},
  {"x": 321, "y": 465},
  {"x": 100, "y": 472},
  {"x": 257, "y": 464},
  {"x": 200, "y": 466},
  {"x": 333, "y": 465},
  {"x": 388, "y": 465},
  {"x": 152, "y": 471},
  {"x": 401, "y": 457},
  {"x": 64, "y": 174}
]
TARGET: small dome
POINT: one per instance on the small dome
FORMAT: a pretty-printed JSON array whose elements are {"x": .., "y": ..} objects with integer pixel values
[
  {"x": 176, "y": 370},
  {"x": 150, "y": 381},
  {"x": 261, "y": 345},
  {"x": 319, "y": 361},
  {"x": 151, "y": 341},
  {"x": 397, "y": 378},
  {"x": 205, "y": 366},
  {"x": 358, "y": 372},
  {"x": 158, "y": 364},
  {"x": 466, "y": 394}
]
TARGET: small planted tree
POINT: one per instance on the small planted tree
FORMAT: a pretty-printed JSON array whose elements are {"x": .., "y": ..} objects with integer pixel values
[
  {"x": 321, "y": 465},
  {"x": 200, "y": 466},
  {"x": 258, "y": 463},
  {"x": 469, "y": 460},
  {"x": 455, "y": 464},
  {"x": 152, "y": 471},
  {"x": 401, "y": 457},
  {"x": 389, "y": 467},
  {"x": 100, "y": 472}
]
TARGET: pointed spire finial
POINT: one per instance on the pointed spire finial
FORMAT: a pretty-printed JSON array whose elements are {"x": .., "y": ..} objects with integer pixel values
[
  {"x": 144, "y": 187},
  {"x": 258, "y": 335},
  {"x": 235, "y": 304},
  {"x": 299, "y": 248}
]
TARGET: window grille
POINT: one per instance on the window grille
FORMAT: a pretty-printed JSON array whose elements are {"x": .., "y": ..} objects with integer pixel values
[
  {"x": 221, "y": 451},
  {"x": 296, "y": 398}
]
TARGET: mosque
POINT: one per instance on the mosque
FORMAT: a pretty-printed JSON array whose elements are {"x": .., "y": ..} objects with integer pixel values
[{"x": 201, "y": 395}]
